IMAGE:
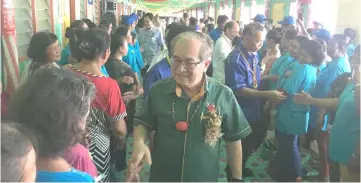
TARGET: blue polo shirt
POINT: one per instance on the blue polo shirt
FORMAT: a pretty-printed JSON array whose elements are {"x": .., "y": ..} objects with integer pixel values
[
  {"x": 215, "y": 34},
  {"x": 279, "y": 67},
  {"x": 158, "y": 72},
  {"x": 292, "y": 118},
  {"x": 350, "y": 50},
  {"x": 324, "y": 83},
  {"x": 134, "y": 58},
  {"x": 345, "y": 132},
  {"x": 238, "y": 75}
]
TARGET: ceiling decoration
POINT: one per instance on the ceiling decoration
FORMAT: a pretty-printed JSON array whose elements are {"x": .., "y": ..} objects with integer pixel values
[{"x": 166, "y": 6}]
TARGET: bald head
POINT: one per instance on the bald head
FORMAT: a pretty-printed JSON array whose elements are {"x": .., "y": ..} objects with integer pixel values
[{"x": 231, "y": 29}]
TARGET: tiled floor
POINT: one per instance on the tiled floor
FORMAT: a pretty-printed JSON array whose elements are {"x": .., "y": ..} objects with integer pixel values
[{"x": 255, "y": 163}]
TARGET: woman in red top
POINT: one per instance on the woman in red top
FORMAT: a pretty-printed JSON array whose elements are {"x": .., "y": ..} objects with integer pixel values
[{"x": 107, "y": 109}]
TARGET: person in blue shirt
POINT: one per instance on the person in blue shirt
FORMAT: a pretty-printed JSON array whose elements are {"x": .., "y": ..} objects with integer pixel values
[
  {"x": 287, "y": 23},
  {"x": 336, "y": 48},
  {"x": 215, "y": 34},
  {"x": 162, "y": 69},
  {"x": 344, "y": 140},
  {"x": 54, "y": 104},
  {"x": 291, "y": 118},
  {"x": 133, "y": 58},
  {"x": 242, "y": 75},
  {"x": 351, "y": 33},
  {"x": 129, "y": 22}
]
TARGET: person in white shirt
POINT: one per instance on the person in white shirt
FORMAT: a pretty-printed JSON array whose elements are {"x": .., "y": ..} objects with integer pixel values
[{"x": 222, "y": 48}]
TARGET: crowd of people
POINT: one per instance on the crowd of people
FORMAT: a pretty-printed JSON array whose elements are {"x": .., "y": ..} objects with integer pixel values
[{"x": 200, "y": 84}]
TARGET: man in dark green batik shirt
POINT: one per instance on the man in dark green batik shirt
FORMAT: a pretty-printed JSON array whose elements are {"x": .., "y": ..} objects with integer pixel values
[{"x": 190, "y": 113}]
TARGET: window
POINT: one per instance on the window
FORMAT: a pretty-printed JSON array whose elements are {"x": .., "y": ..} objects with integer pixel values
[
  {"x": 43, "y": 18},
  {"x": 83, "y": 9},
  {"x": 24, "y": 26},
  {"x": 257, "y": 9},
  {"x": 245, "y": 14},
  {"x": 325, "y": 14}
]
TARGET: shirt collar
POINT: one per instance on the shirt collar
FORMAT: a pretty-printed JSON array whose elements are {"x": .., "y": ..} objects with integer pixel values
[{"x": 176, "y": 89}]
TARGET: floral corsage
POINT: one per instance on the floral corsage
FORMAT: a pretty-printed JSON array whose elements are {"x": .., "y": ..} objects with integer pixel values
[{"x": 213, "y": 127}]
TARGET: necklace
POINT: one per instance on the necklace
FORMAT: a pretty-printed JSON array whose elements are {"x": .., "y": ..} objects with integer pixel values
[
  {"x": 183, "y": 126},
  {"x": 254, "y": 71}
]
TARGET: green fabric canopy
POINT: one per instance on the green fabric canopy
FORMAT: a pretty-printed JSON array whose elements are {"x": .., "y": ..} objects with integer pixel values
[{"x": 166, "y": 6}]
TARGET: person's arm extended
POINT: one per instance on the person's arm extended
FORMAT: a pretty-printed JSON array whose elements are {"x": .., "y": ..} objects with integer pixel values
[
  {"x": 326, "y": 103},
  {"x": 141, "y": 134},
  {"x": 248, "y": 92},
  {"x": 234, "y": 155},
  {"x": 270, "y": 77}
]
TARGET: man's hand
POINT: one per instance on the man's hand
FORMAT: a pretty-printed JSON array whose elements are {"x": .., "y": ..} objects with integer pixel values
[
  {"x": 303, "y": 98},
  {"x": 129, "y": 96},
  {"x": 126, "y": 80},
  {"x": 140, "y": 155},
  {"x": 276, "y": 96}
]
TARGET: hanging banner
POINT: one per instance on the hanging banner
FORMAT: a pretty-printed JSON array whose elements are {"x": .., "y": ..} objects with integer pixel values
[{"x": 7, "y": 17}]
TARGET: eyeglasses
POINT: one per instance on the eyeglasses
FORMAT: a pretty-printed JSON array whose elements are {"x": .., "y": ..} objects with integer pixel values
[{"x": 188, "y": 65}]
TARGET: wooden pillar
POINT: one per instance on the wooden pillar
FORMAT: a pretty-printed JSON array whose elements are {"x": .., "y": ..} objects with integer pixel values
[{"x": 33, "y": 14}]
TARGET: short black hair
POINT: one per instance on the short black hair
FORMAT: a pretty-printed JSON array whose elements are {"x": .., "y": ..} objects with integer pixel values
[
  {"x": 37, "y": 50},
  {"x": 91, "y": 24},
  {"x": 38, "y": 44},
  {"x": 291, "y": 34},
  {"x": 134, "y": 36},
  {"x": 122, "y": 31},
  {"x": 315, "y": 50},
  {"x": 193, "y": 21},
  {"x": 251, "y": 28},
  {"x": 174, "y": 32},
  {"x": 222, "y": 19},
  {"x": 104, "y": 24},
  {"x": 93, "y": 43},
  {"x": 210, "y": 27},
  {"x": 270, "y": 20},
  {"x": 116, "y": 42},
  {"x": 150, "y": 16},
  {"x": 75, "y": 35},
  {"x": 74, "y": 25},
  {"x": 52, "y": 102},
  {"x": 323, "y": 44},
  {"x": 15, "y": 145},
  {"x": 229, "y": 25},
  {"x": 351, "y": 33},
  {"x": 341, "y": 40},
  {"x": 185, "y": 15},
  {"x": 274, "y": 35},
  {"x": 302, "y": 40}
]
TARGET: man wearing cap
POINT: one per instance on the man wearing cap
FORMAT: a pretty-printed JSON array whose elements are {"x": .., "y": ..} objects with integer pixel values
[
  {"x": 150, "y": 39},
  {"x": 259, "y": 18},
  {"x": 287, "y": 23}
]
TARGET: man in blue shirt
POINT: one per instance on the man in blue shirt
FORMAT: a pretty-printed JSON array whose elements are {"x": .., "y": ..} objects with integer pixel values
[
  {"x": 242, "y": 75},
  {"x": 215, "y": 35},
  {"x": 162, "y": 70}
]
